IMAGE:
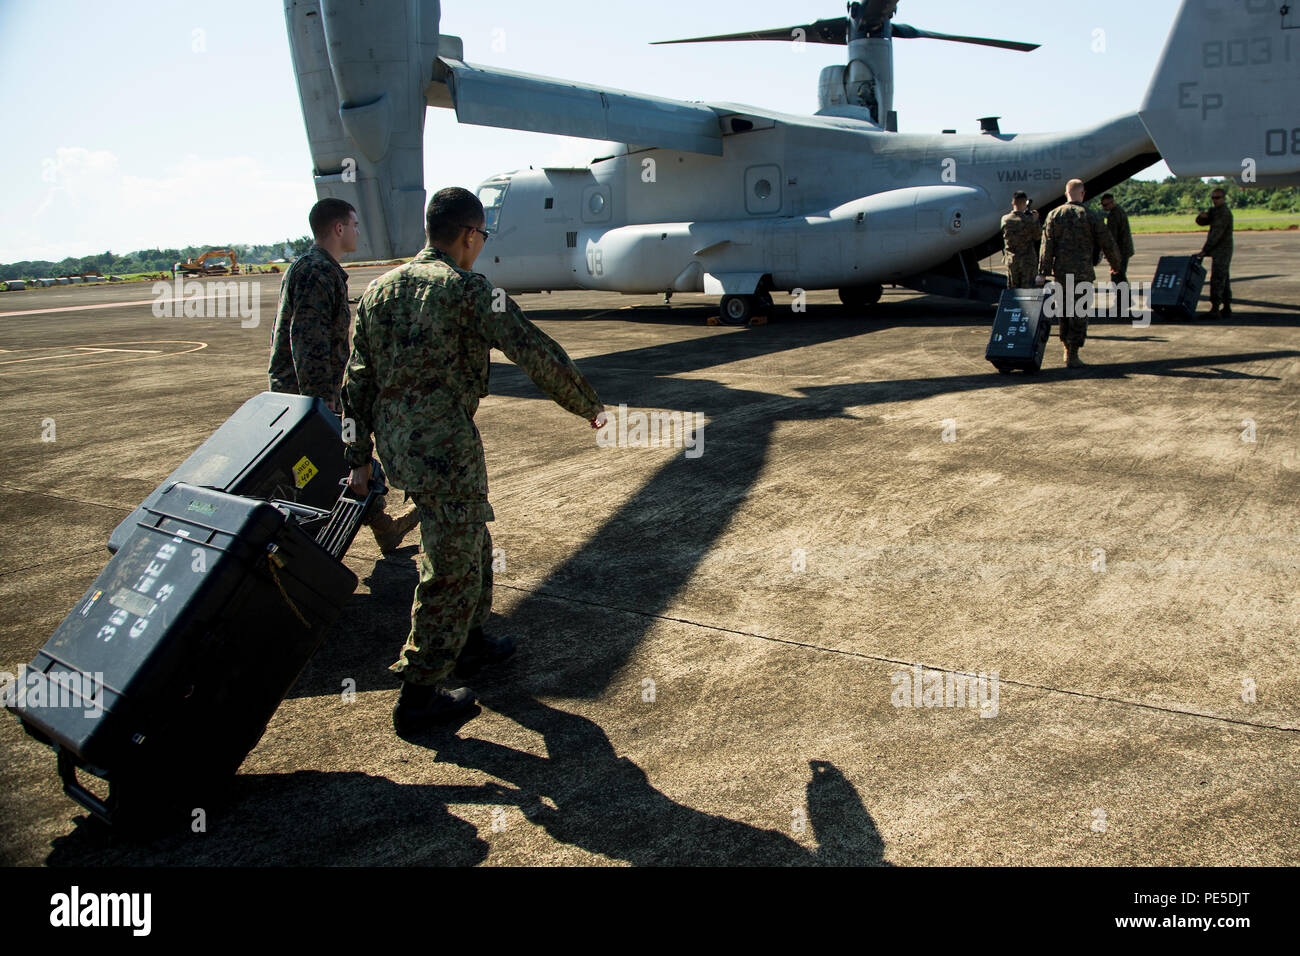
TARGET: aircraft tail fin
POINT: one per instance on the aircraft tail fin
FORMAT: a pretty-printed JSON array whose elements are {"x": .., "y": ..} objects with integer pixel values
[{"x": 1222, "y": 101}]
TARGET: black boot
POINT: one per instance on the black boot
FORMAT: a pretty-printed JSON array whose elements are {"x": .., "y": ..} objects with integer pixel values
[
  {"x": 482, "y": 651},
  {"x": 422, "y": 706}
]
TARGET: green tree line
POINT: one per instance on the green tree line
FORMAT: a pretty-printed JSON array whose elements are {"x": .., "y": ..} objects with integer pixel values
[
  {"x": 1175, "y": 196},
  {"x": 150, "y": 260}
]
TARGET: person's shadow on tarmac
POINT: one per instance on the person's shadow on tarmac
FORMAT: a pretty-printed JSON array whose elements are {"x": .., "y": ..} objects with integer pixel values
[{"x": 583, "y": 794}]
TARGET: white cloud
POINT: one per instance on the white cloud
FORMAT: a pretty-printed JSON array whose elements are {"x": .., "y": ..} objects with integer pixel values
[{"x": 88, "y": 201}]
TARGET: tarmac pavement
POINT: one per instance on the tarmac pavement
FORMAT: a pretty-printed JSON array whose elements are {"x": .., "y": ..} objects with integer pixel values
[{"x": 717, "y": 652}]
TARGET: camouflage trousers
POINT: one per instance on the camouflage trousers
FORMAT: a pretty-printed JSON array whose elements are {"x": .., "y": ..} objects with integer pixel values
[
  {"x": 454, "y": 593},
  {"x": 1074, "y": 328},
  {"x": 1021, "y": 272},
  {"x": 1221, "y": 281}
]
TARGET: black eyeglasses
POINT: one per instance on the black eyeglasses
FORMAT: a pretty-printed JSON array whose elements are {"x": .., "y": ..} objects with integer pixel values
[{"x": 482, "y": 232}]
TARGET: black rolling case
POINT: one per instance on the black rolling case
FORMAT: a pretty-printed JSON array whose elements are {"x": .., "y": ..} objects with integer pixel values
[
  {"x": 1176, "y": 289},
  {"x": 1020, "y": 332},
  {"x": 166, "y": 672},
  {"x": 285, "y": 447}
]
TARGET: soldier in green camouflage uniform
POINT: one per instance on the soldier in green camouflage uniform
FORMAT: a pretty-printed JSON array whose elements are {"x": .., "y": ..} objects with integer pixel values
[
  {"x": 1218, "y": 249},
  {"x": 419, "y": 365},
  {"x": 309, "y": 345},
  {"x": 1122, "y": 233},
  {"x": 1020, "y": 235},
  {"x": 1070, "y": 235}
]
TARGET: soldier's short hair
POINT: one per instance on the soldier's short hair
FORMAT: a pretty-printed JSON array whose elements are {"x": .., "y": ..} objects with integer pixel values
[
  {"x": 1020, "y": 194},
  {"x": 1074, "y": 184},
  {"x": 450, "y": 211},
  {"x": 326, "y": 213},
  {"x": 1110, "y": 196}
]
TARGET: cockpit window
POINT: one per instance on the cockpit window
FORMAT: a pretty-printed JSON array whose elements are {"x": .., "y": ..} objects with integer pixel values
[{"x": 492, "y": 196}]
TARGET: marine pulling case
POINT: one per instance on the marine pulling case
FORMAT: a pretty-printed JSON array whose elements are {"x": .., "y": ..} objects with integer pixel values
[
  {"x": 166, "y": 672},
  {"x": 1020, "y": 332},
  {"x": 286, "y": 447}
]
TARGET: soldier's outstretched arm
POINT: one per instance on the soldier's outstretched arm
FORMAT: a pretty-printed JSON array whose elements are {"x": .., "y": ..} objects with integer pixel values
[
  {"x": 539, "y": 355},
  {"x": 359, "y": 392}
]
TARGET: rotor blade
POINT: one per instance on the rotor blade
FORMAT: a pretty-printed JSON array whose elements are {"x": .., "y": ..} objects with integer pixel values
[
  {"x": 834, "y": 31},
  {"x": 902, "y": 31}
]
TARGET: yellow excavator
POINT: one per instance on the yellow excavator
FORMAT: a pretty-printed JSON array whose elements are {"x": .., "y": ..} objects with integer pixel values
[{"x": 199, "y": 266}]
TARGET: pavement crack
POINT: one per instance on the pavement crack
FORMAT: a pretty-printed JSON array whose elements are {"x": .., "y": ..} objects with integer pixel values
[
  {"x": 79, "y": 501},
  {"x": 62, "y": 557},
  {"x": 890, "y": 660}
]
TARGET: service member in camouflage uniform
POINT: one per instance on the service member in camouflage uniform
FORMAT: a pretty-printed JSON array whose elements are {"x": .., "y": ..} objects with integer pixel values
[
  {"x": 309, "y": 345},
  {"x": 419, "y": 365},
  {"x": 1070, "y": 235},
  {"x": 1021, "y": 232},
  {"x": 1218, "y": 249},
  {"x": 1122, "y": 233}
]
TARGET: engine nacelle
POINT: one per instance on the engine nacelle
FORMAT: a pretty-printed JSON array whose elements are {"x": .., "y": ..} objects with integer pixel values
[{"x": 879, "y": 238}]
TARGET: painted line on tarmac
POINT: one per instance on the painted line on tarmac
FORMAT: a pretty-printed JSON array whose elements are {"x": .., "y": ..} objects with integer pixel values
[
  {"x": 110, "y": 305},
  {"x": 83, "y": 350},
  {"x": 93, "y": 351},
  {"x": 1137, "y": 704}
]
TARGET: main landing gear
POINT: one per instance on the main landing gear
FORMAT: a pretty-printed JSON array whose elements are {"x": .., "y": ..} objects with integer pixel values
[
  {"x": 743, "y": 309},
  {"x": 861, "y": 297}
]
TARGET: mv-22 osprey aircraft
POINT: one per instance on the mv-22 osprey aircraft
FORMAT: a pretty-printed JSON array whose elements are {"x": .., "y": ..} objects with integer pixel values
[{"x": 741, "y": 202}]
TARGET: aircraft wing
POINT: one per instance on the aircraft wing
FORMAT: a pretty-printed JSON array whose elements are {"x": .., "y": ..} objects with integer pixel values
[{"x": 487, "y": 96}]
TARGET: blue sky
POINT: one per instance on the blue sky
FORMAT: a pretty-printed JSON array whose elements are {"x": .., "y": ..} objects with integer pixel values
[{"x": 121, "y": 135}]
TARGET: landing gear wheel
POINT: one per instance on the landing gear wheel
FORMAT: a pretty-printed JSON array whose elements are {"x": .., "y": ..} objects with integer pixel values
[
  {"x": 862, "y": 296},
  {"x": 738, "y": 309}
]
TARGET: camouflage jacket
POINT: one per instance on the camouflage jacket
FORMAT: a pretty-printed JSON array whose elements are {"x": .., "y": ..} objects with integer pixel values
[
  {"x": 419, "y": 365},
  {"x": 1117, "y": 223},
  {"x": 1020, "y": 234},
  {"x": 1068, "y": 241},
  {"x": 1219, "y": 241},
  {"x": 309, "y": 345}
]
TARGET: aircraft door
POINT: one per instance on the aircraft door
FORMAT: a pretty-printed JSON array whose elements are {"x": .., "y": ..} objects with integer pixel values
[{"x": 763, "y": 190}]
